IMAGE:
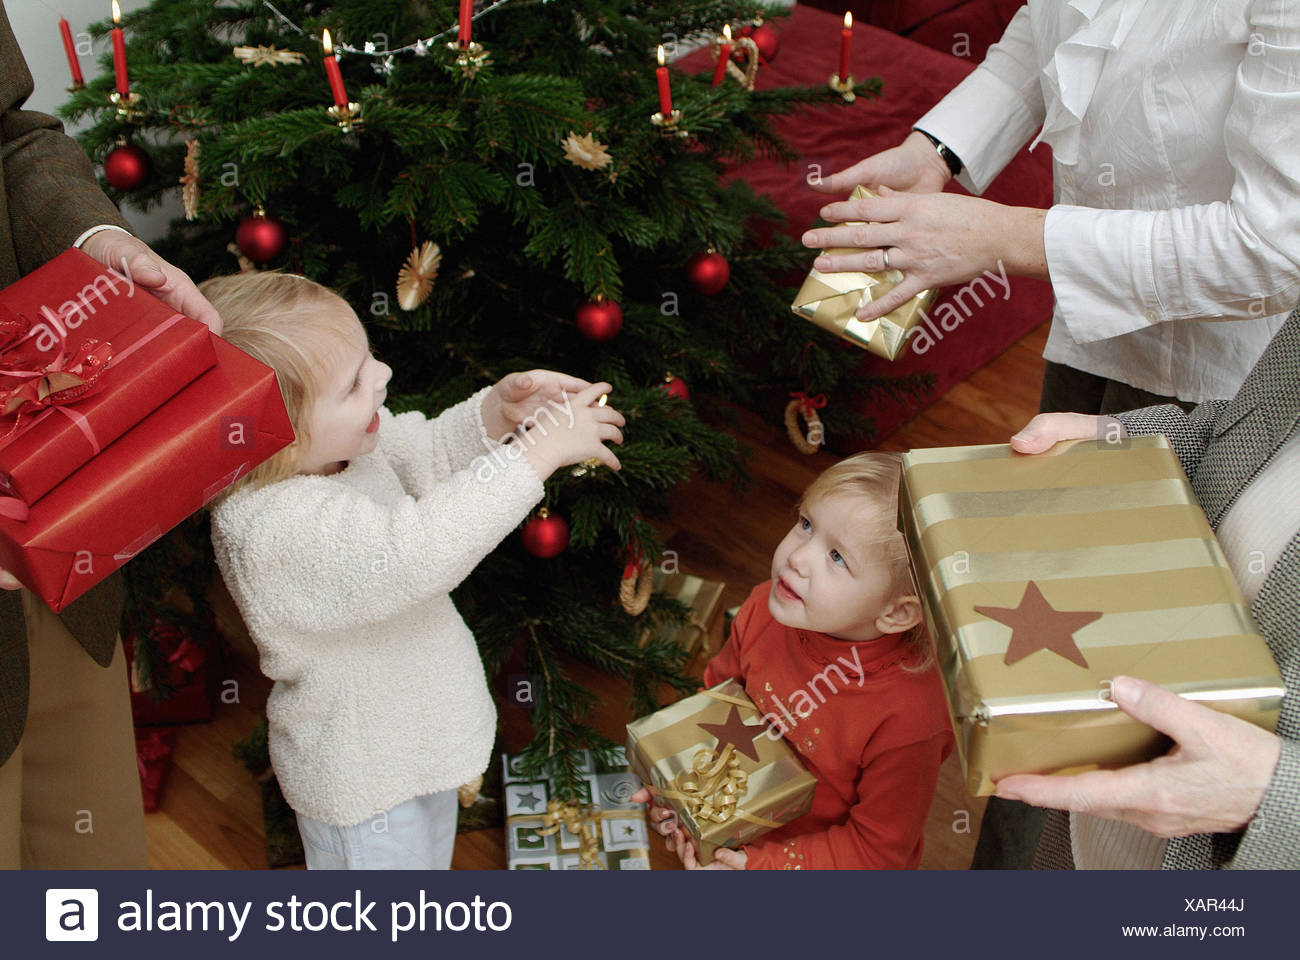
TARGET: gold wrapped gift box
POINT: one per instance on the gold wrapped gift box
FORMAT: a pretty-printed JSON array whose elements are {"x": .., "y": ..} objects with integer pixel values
[
  {"x": 713, "y": 758},
  {"x": 703, "y": 598},
  {"x": 830, "y": 300},
  {"x": 1044, "y": 576}
]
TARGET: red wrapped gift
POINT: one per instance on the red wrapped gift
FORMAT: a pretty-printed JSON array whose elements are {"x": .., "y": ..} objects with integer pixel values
[
  {"x": 153, "y": 752},
  {"x": 185, "y": 677},
  {"x": 151, "y": 478},
  {"x": 84, "y": 356}
]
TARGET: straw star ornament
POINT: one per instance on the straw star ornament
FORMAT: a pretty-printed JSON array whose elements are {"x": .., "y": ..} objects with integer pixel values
[
  {"x": 415, "y": 278},
  {"x": 586, "y": 151}
]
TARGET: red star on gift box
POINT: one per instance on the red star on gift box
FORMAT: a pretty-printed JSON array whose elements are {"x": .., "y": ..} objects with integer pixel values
[
  {"x": 1037, "y": 625},
  {"x": 735, "y": 731}
]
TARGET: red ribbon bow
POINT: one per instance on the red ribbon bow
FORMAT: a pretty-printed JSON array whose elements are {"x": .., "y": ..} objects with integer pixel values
[
  {"x": 65, "y": 379},
  {"x": 806, "y": 403},
  {"x": 149, "y": 750},
  {"x": 634, "y": 560},
  {"x": 188, "y": 655}
]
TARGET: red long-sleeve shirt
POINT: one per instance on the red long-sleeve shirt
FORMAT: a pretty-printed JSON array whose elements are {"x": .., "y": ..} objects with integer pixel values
[{"x": 872, "y": 733}]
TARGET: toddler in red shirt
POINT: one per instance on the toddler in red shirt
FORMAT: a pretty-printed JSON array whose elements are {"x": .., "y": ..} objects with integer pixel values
[{"x": 833, "y": 650}]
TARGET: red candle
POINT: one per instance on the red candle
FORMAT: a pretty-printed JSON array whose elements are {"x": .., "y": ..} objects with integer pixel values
[
  {"x": 846, "y": 38},
  {"x": 466, "y": 21},
  {"x": 70, "y": 48},
  {"x": 724, "y": 54},
  {"x": 119, "y": 53},
  {"x": 665, "y": 94},
  {"x": 332, "y": 71}
]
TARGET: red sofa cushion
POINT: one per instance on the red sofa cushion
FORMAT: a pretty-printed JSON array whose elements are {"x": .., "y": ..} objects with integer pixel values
[{"x": 964, "y": 28}]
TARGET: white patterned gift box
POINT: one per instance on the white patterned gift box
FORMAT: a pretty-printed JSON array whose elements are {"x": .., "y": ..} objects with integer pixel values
[{"x": 617, "y": 834}]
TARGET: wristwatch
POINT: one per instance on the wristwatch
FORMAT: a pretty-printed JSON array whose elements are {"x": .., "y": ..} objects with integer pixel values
[{"x": 950, "y": 158}]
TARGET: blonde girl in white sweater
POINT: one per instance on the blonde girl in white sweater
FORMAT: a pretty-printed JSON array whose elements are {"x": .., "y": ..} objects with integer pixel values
[{"x": 342, "y": 550}]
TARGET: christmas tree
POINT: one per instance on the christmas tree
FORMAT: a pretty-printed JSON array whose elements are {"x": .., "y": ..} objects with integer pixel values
[{"x": 538, "y": 218}]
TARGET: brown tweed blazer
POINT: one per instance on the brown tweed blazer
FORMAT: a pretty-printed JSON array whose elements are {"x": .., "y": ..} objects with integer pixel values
[
  {"x": 1222, "y": 445},
  {"x": 48, "y": 197}
]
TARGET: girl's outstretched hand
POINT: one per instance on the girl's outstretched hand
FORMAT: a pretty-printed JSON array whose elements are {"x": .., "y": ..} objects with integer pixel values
[{"x": 521, "y": 397}]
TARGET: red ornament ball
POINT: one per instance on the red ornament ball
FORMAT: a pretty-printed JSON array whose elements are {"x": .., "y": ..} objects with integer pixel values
[
  {"x": 545, "y": 535},
  {"x": 675, "y": 386},
  {"x": 708, "y": 272},
  {"x": 599, "y": 319},
  {"x": 261, "y": 238},
  {"x": 767, "y": 40},
  {"x": 126, "y": 167}
]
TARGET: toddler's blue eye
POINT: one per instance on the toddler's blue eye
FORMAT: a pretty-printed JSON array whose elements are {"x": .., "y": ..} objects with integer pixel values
[
  {"x": 804, "y": 524},
  {"x": 836, "y": 558}
]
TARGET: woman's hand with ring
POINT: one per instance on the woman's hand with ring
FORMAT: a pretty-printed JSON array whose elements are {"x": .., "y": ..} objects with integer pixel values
[{"x": 933, "y": 239}]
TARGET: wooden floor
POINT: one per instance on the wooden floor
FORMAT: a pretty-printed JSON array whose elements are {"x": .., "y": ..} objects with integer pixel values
[{"x": 211, "y": 812}]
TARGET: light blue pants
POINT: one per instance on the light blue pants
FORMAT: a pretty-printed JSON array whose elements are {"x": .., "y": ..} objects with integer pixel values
[{"x": 416, "y": 835}]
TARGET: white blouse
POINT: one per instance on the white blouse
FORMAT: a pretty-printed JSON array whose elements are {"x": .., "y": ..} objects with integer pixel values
[{"x": 1175, "y": 132}]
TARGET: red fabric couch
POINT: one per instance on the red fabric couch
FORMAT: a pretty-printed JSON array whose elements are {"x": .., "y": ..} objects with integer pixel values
[
  {"x": 963, "y": 28},
  {"x": 914, "y": 77}
]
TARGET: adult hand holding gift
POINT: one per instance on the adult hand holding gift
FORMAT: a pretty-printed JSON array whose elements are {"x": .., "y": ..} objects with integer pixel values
[
  {"x": 118, "y": 249},
  {"x": 114, "y": 247},
  {"x": 1216, "y": 774},
  {"x": 934, "y": 240}
]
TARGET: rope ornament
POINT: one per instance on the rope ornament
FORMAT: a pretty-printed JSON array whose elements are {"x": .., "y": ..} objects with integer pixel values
[
  {"x": 635, "y": 588},
  {"x": 804, "y": 407},
  {"x": 746, "y": 76},
  {"x": 638, "y": 578}
]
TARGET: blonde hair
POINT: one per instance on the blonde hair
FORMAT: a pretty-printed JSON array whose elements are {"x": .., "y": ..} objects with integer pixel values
[
  {"x": 282, "y": 320},
  {"x": 874, "y": 476}
]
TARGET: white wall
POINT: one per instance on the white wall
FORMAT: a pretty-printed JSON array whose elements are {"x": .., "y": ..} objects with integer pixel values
[{"x": 36, "y": 24}]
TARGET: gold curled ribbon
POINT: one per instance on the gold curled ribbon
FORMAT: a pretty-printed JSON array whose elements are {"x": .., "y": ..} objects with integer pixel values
[
  {"x": 712, "y": 788},
  {"x": 579, "y": 819}
]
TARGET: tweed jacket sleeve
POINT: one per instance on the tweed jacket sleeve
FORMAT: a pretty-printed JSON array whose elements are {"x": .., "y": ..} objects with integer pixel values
[
  {"x": 1188, "y": 433},
  {"x": 1222, "y": 445},
  {"x": 48, "y": 197},
  {"x": 49, "y": 186}
]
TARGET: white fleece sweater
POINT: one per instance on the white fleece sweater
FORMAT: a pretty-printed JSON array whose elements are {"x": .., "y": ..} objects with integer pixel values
[{"x": 344, "y": 584}]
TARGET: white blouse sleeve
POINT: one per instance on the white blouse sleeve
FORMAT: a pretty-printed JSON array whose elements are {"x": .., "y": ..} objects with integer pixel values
[
  {"x": 1116, "y": 271},
  {"x": 991, "y": 114}
]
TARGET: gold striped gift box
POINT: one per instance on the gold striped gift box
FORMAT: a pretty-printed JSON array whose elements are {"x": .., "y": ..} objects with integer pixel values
[{"x": 1044, "y": 576}]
